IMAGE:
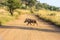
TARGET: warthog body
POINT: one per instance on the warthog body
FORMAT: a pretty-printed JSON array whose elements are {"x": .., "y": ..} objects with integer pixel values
[{"x": 30, "y": 21}]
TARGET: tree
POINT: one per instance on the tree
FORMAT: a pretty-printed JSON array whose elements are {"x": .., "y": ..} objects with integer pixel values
[
  {"x": 29, "y": 3},
  {"x": 12, "y": 4},
  {"x": 39, "y": 5}
]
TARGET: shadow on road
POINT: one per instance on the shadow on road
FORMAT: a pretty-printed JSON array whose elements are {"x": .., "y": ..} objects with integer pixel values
[{"x": 30, "y": 28}]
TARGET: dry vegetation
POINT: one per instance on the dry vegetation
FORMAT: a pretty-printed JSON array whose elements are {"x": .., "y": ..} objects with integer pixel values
[
  {"x": 5, "y": 16},
  {"x": 52, "y": 16}
]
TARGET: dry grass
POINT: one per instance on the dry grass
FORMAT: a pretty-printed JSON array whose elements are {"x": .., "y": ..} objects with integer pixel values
[
  {"x": 6, "y": 17},
  {"x": 52, "y": 16}
]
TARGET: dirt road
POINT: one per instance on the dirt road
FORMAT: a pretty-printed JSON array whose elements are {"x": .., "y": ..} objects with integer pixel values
[{"x": 18, "y": 30}]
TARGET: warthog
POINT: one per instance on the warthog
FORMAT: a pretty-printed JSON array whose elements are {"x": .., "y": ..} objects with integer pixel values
[{"x": 30, "y": 21}]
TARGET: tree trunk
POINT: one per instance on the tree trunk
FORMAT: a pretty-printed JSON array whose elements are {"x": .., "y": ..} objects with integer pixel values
[
  {"x": 0, "y": 24},
  {"x": 11, "y": 11}
]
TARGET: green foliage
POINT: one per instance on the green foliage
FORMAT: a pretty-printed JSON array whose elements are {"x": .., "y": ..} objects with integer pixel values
[
  {"x": 38, "y": 5},
  {"x": 29, "y": 2},
  {"x": 46, "y": 6},
  {"x": 12, "y": 4},
  {"x": 24, "y": 4}
]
